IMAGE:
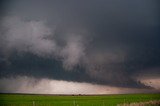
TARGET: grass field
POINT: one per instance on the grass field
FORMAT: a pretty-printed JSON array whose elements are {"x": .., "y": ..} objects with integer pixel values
[{"x": 55, "y": 100}]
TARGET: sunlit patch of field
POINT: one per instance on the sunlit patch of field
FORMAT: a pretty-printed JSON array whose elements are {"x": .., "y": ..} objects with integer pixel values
[
  {"x": 145, "y": 103},
  {"x": 75, "y": 100}
]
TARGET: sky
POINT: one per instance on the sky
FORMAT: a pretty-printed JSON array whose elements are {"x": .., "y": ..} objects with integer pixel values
[{"x": 79, "y": 46}]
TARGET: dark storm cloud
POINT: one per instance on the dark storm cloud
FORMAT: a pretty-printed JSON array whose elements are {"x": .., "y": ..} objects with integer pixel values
[{"x": 98, "y": 41}]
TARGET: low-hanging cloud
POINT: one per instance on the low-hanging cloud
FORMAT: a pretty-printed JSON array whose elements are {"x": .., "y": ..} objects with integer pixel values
[
  {"x": 35, "y": 37},
  {"x": 74, "y": 52},
  {"x": 24, "y": 84}
]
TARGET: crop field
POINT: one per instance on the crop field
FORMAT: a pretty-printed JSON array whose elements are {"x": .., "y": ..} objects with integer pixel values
[{"x": 74, "y": 100}]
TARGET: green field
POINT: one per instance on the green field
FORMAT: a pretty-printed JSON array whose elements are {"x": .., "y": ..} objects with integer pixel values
[{"x": 61, "y": 100}]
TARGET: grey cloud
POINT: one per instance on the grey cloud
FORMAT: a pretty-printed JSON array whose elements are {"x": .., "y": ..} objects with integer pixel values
[
  {"x": 35, "y": 37},
  {"x": 26, "y": 36},
  {"x": 101, "y": 41}
]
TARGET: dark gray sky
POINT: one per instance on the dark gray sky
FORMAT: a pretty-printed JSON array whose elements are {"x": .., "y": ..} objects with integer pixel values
[{"x": 109, "y": 42}]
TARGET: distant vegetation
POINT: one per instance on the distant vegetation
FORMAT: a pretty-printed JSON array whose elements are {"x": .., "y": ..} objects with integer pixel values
[{"x": 77, "y": 100}]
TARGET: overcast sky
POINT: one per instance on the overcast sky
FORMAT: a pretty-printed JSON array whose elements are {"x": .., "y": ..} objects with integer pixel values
[{"x": 99, "y": 44}]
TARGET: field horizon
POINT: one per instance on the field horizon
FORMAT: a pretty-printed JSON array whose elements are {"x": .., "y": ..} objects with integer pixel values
[{"x": 77, "y": 94}]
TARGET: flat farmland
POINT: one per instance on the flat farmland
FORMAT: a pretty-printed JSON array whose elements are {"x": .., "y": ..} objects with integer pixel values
[{"x": 74, "y": 100}]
